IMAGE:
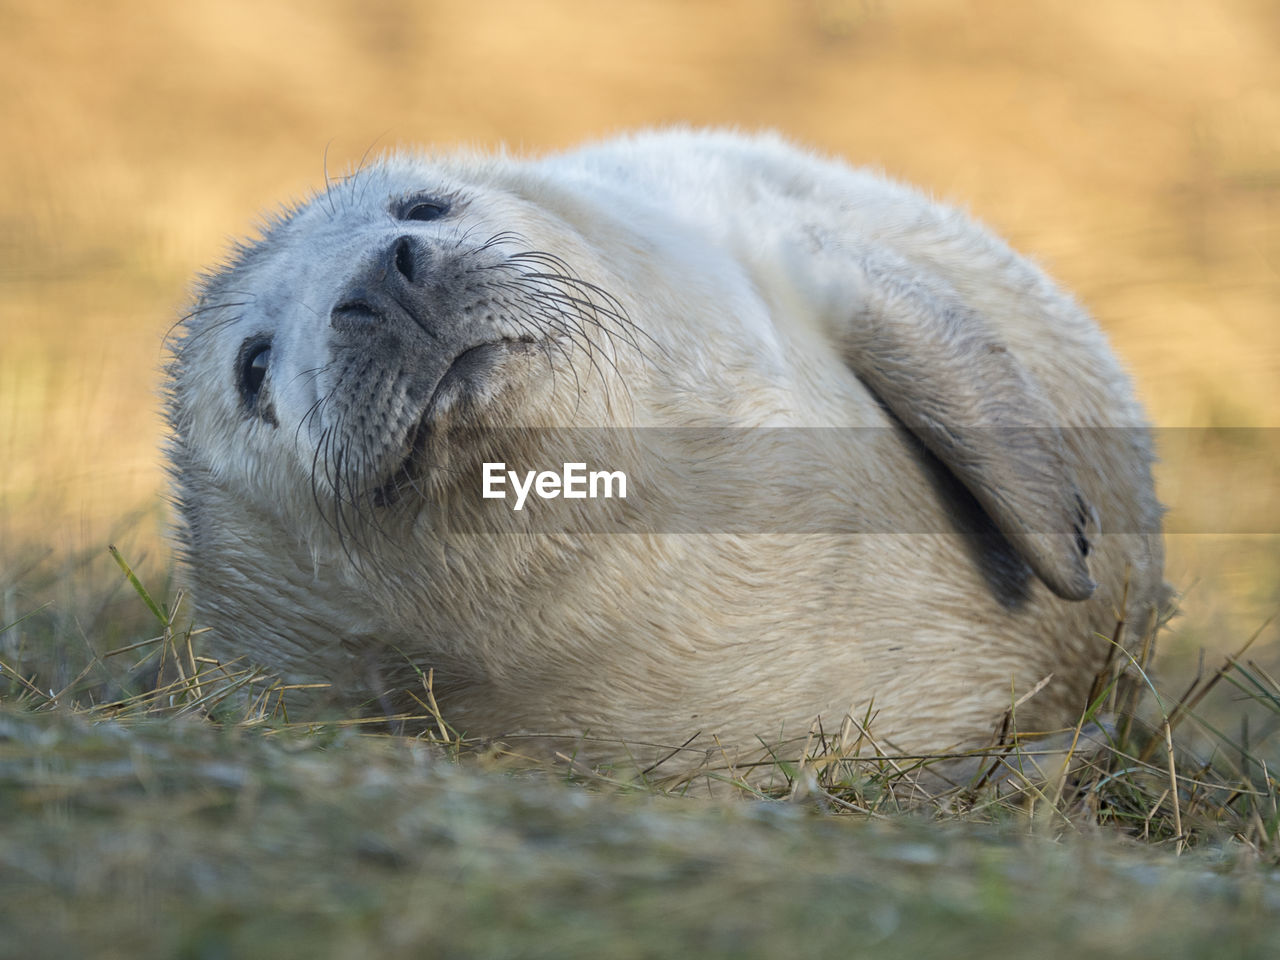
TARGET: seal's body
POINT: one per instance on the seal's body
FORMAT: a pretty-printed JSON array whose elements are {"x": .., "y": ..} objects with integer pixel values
[{"x": 879, "y": 465}]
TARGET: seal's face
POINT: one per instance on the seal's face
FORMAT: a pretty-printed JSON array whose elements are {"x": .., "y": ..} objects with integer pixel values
[{"x": 395, "y": 307}]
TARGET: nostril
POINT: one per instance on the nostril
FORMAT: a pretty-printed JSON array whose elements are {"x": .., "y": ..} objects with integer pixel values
[
  {"x": 351, "y": 313},
  {"x": 406, "y": 262}
]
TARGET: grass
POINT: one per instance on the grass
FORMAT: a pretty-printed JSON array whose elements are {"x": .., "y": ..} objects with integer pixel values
[
  {"x": 152, "y": 808},
  {"x": 188, "y": 839}
]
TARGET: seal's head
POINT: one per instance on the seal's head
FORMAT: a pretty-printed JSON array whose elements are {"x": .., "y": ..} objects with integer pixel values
[{"x": 399, "y": 305}]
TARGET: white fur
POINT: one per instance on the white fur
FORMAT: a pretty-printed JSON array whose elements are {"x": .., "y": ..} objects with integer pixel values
[{"x": 772, "y": 288}]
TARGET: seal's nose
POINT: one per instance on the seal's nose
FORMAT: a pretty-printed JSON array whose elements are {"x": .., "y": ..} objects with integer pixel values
[
  {"x": 389, "y": 286},
  {"x": 405, "y": 257},
  {"x": 354, "y": 312}
]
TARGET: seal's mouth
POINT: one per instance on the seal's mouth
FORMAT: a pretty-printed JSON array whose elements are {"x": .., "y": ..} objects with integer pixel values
[
  {"x": 466, "y": 367},
  {"x": 464, "y": 376}
]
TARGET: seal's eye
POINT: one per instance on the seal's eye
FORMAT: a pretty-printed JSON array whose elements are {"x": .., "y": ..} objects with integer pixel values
[
  {"x": 423, "y": 210},
  {"x": 255, "y": 359}
]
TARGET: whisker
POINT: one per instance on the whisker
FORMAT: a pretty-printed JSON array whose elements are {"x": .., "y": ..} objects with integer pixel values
[
  {"x": 328, "y": 186},
  {"x": 581, "y": 329}
]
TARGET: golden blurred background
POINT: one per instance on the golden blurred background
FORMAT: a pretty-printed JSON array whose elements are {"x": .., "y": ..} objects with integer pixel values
[{"x": 1132, "y": 147}]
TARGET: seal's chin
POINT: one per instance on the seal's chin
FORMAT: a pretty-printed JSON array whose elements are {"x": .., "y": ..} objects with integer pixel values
[{"x": 469, "y": 379}]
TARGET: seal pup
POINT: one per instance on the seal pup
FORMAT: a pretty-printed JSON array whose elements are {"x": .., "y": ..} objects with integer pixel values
[{"x": 880, "y": 465}]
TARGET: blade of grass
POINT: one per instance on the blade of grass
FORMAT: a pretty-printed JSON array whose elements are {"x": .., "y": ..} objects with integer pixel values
[{"x": 137, "y": 586}]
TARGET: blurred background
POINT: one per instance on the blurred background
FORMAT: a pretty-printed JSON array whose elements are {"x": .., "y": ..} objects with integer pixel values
[{"x": 1131, "y": 147}]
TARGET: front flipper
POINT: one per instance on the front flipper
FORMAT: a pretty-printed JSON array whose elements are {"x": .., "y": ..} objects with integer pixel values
[{"x": 943, "y": 372}]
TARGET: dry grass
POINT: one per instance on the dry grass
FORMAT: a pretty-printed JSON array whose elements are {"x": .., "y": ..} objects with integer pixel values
[
  {"x": 182, "y": 840},
  {"x": 162, "y": 804},
  {"x": 1119, "y": 768}
]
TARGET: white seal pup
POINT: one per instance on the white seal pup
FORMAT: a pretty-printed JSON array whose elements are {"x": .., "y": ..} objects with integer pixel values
[{"x": 878, "y": 464}]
